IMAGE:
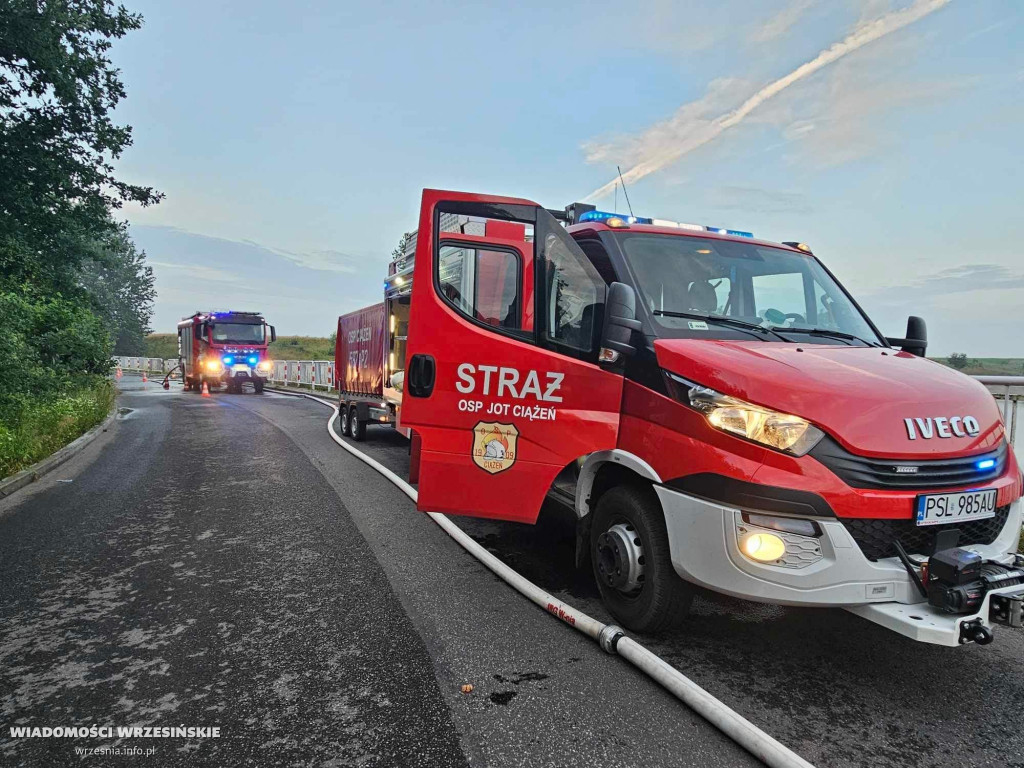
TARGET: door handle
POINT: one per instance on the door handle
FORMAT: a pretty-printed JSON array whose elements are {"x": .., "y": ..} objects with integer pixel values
[{"x": 421, "y": 375}]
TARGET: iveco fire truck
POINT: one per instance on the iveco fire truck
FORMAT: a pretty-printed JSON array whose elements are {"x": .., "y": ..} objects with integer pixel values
[
  {"x": 716, "y": 409},
  {"x": 225, "y": 349}
]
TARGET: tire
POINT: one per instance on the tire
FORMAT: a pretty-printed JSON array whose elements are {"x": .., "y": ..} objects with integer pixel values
[
  {"x": 344, "y": 413},
  {"x": 258, "y": 385},
  {"x": 357, "y": 426},
  {"x": 662, "y": 600}
]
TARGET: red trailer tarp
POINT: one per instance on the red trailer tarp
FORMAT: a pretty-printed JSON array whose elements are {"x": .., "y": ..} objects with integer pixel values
[{"x": 359, "y": 351}]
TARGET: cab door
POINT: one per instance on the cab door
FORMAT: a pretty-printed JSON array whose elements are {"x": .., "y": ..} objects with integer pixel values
[{"x": 502, "y": 383}]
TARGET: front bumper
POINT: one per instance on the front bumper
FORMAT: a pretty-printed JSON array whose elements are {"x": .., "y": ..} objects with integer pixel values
[{"x": 704, "y": 543}]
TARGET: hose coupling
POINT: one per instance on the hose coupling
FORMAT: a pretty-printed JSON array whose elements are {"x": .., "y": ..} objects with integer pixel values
[{"x": 609, "y": 637}]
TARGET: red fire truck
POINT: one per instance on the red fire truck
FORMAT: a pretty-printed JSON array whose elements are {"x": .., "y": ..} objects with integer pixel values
[
  {"x": 224, "y": 349},
  {"x": 716, "y": 409}
]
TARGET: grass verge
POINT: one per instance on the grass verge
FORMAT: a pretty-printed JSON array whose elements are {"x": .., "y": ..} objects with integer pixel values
[{"x": 46, "y": 424}]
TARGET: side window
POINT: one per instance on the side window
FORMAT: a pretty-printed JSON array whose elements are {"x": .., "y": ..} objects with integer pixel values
[
  {"x": 483, "y": 284},
  {"x": 574, "y": 291}
]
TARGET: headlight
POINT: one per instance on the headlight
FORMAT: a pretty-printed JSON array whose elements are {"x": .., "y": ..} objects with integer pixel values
[
  {"x": 781, "y": 431},
  {"x": 212, "y": 365},
  {"x": 265, "y": 365}
]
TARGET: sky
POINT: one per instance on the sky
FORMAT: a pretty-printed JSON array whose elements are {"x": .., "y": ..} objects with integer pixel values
[{"x": 292, "y": 141}]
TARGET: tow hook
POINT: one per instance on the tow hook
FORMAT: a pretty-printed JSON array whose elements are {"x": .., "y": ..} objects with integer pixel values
[{"x": 975, "y": 632}]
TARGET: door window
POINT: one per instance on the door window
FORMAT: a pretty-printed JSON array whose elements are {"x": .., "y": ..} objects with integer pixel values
[
  {"x": 574, "y": 292},
  {"x": 482, "y": 284}
]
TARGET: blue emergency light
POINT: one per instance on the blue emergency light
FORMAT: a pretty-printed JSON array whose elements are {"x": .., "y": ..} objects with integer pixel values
[
  {"x": 985, "y": 464},
  {"x": 253, "y": 359},
  {"x": 228, "y": 360},
  {"x": 605, "y": 215},
  {"x": 733, "y": 232}
]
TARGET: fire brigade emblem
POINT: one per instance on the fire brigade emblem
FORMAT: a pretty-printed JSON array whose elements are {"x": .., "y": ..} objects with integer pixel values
[{"x": 494, "y": 446}]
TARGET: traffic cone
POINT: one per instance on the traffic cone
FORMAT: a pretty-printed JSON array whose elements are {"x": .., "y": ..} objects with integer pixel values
[
  {"x": 144, "y": 378},
  {"x": 206, "y": 389},
  {"x": 118, "y": 374}
]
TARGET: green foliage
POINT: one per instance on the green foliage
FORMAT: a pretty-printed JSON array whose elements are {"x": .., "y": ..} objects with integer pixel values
[
  {"x": 121, "y": 288},
  {"x": 403, "y": 242},
  {"x": 958, "y": 360},
  {"x": 57, "y": 140},
  {"x": 162, "y": 345},
  {"x": 301, "y": 348},
  {"x": 68, "y": 273},
  {"x": 989, "y": 366},
  {"x": 45, "y": 424}
]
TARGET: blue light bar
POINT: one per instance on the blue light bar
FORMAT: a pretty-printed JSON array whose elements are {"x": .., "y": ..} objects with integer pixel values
[
  {"x": 228, "y": 360},
  {"x": 733, "y": 232},
  {"x": 985, "y": 464},
  {"x": 605, "y": 215}
]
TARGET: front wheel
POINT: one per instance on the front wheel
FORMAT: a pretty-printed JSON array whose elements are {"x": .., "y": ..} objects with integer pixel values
[
  {"x": 632, "y": 563},
  {"x": 258, "y": 385}
]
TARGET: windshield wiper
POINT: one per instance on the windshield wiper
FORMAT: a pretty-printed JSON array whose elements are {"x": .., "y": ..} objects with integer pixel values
[
  {"x": 828, "y": 332},
  {"x": 721, "y": 319}
]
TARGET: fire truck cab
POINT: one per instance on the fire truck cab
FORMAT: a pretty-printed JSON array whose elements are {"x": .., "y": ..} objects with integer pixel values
[
  {"x": 718, "y": 411},
  {"x": 225, "y": 349}
]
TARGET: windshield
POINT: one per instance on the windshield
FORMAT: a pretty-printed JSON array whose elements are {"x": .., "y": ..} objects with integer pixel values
[
  {"x": 237, "y": 333},
  {"x": 763, "y": 287}
]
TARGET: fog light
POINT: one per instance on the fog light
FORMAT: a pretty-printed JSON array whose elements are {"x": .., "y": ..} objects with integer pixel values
[{"x": 763, "y": 547}]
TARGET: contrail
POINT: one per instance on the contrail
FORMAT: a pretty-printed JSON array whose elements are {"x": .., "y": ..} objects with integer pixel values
[{"x": 861, "y": 36}]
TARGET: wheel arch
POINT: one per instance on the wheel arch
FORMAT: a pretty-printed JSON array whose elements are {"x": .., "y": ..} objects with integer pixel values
[{"x": 605, "y": 469}]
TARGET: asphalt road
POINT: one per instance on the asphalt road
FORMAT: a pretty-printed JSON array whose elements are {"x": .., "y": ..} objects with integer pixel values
[
  {"x": 837, "y": 689},
  {"x": 221, "y": 563}
]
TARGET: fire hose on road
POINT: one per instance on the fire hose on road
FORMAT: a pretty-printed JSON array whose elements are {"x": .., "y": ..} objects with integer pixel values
[{"x": 611, "y": 638}]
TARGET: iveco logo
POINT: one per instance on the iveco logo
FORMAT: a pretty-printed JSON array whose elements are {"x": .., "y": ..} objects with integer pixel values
[{"x": 940, "y": 426}]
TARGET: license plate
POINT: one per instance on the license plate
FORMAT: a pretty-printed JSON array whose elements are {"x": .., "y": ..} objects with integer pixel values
[{"x": 938, "y": 508}]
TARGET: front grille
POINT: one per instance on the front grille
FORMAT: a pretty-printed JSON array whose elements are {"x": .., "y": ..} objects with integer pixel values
[
  {"x": 899, "y": 474},
  {"x": 875, "y": 537}
]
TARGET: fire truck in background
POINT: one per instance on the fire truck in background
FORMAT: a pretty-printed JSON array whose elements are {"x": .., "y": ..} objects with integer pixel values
[
  {"x": 717, "y": 410},
  {"x": 225, "y": 349}
]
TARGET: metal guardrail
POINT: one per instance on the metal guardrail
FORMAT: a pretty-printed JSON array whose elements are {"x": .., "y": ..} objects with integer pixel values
[
  {"x": 1010, "y": 391},
  {"x": 315, "y": 374}
]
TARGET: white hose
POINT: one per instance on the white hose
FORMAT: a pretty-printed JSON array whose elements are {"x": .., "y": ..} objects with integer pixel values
[{"x": 611, "y": 638}]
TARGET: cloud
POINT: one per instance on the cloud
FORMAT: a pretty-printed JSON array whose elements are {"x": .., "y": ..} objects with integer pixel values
[
  {"x": 692, "y": 127},
  {"x": 780, "y": 23},
  {"x": 195, "y": 271},
  {"x": 966, "y": 308},
  {"x": 199, "y": 272},
  {"x": 954, "y": 280}
]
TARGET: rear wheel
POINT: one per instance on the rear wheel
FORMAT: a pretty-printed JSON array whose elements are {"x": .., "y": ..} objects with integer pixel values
[
  {"x": 343, "y": 410},
  {"x": 356, "y": 425},
  {"x": 632, "y": 564}
]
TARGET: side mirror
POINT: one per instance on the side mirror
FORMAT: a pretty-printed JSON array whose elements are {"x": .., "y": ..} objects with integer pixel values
[
  {"x": 619, "y": 323},
  {"x": 916, "y": 340},
  {"x": 273, "y": 333}
]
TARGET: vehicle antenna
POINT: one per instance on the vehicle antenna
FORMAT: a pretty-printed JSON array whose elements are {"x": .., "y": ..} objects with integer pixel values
[{"x": 624, "y": 190}]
